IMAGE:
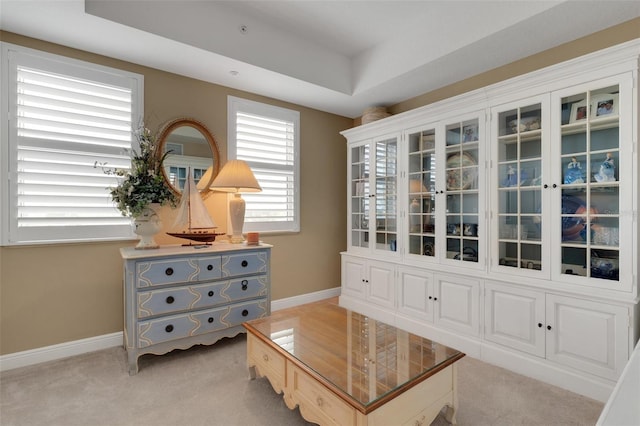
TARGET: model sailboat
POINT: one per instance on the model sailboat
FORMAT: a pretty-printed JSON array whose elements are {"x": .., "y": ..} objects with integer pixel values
[{"x": 193, "y": 221}]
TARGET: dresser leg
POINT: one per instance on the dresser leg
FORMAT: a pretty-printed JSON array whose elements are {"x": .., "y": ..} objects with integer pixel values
[{"x": 133, "y": 363}]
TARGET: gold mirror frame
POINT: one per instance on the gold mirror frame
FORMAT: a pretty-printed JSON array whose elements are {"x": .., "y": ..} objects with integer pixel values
[{"x": 164, "y": 138}]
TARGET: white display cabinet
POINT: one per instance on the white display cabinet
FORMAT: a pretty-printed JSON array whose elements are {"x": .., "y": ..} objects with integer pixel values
[{"x": 504, "y": 221}]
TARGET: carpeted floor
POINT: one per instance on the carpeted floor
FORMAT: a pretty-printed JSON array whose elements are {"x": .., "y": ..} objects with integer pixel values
[{"x": 210, "y": 386}]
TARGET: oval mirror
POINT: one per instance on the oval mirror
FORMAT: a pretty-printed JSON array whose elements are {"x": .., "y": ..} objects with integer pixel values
[{"x": 190, "y": 146}]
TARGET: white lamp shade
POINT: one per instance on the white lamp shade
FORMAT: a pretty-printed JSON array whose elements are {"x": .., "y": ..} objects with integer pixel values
[{"x": 236, "y": 176}]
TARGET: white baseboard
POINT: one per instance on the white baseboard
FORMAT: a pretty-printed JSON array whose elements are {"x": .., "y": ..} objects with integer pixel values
[
  {"x": 59, "y": 351},
  {"x": 290, "y": 302},
  {"x": 91, "y": 344}
]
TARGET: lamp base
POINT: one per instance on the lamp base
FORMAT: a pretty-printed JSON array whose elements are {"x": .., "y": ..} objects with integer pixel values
[{"x": 236, "y": 213}]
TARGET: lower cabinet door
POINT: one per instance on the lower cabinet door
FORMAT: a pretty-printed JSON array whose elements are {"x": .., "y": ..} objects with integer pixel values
[
  {"x": 415, "y": 293},
  {"x": 586, "y": 335},
  {"x": 457, "y": 304},
  {"x": 381, "y": 284},
  {"x": 353, "y": 272},
  {"x": 515, "y": 318}
]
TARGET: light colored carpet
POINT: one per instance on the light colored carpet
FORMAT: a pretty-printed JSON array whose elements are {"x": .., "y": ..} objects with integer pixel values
[{"x": 210, "y": 386}]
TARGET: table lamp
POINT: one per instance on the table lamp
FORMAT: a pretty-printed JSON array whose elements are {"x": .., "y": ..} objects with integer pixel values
[{"x": 236, "y": 177}]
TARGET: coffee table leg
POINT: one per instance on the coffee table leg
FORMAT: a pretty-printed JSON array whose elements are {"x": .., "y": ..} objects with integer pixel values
[
  {"x": 450, "y": 416},
  {"x": 252, "y": 372}
]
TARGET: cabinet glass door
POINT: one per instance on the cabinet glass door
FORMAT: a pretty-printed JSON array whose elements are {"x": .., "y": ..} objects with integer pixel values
[
  {"x": 422, "y": 191},
  {"x": 360, "y": 163},
  {"x": 461, "y": 174},
  {"x": 590, "y": 147},
  {"x": 520, "y": 187},
  {"x": 385, "y": 195}
]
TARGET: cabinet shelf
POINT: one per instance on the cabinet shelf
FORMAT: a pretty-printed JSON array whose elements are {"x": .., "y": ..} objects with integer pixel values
[{"x": 609, "y": 122}]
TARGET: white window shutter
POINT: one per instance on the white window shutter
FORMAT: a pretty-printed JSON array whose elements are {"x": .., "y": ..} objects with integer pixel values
[
  {"x": 66, "y": 117},
  {"x": 266, "y": 137}
]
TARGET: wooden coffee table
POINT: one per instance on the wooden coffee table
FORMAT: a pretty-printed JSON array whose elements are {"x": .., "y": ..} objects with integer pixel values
[{"x": 343, "y": 368}]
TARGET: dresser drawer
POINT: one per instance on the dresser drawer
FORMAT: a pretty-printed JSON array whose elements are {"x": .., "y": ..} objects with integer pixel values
[
  {"x": 246, "y": 311},
  {"x": 209, "y": 268},
  {"x": 161, "y": 272},
  {"x": 246, "y": 288},
  {"x": 244, "y": 263},
  {"x": 164, "y": 329},
  {"x": 177, "y": 299}
]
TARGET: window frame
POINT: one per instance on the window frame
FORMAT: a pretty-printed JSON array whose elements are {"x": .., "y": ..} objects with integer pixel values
[
  {"x": 11, "y": 56},
  {"x": 234, "y": 105}
]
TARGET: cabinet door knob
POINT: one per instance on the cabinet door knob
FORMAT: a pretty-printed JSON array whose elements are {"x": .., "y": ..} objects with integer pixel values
[
  {"x": 548, "y": 327},
  {"x": 211, "y": 293},
  {"x": 245, "y": 312},
  {"x": 540, "y": 325},
  {"x": 210, "y": 320},
  {"x": 435, "y": 298},
  {"x": 245, "y": 284},
  {"x": 169, "y": 271},
  {"x": 244, "y": 263},
  {"x": 209, "y": 267},
  {"x": 168, "y": 328},
  {"x": 430, "y": 297},
  {"x": 546, "y": 186},
  {"x": 170, "y": 300},
  {"x": 554, "y": 186}
]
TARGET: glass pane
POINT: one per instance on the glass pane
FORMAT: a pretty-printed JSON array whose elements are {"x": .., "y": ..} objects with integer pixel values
[
  {"x": 574, "y": 261},
  {"x": 574, "y": 172},
  {"x": 603, "y": 166},
  {"x": 508, "y": 254},
  {"x": 453, "y": 248},
  {"x": 508, "y": 201},
  {"x": 531, "y": 201},
  {"x": 604, "y": 264}
]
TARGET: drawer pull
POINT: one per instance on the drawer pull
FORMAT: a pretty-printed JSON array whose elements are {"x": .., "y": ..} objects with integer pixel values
[
  {"x": 168, "y": 328},
  {"x": 210, "y": 320},
  {"x": 319, "y": 401},
  {"x": 169, "y": 271},
  {"x": 265, "y": 357},
  {"x": 209, "y": 267},
  {"x": 245, "y": 284},
  {"x": 170, "y": 300},
  {"x": 244, "y": 263},
  {"x": 210, "y": 294},
  {"x": 245, "y": 312}
]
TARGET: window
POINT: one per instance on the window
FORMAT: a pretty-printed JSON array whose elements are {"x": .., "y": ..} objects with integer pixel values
[
  {"x": 267, "y": 138},
  {"x": 63, "y": 116}
]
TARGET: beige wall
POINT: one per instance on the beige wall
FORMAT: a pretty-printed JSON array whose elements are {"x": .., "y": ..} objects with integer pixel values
[
  {"x": 55, "y": 294},
  {"x": 58, "y": 293}
]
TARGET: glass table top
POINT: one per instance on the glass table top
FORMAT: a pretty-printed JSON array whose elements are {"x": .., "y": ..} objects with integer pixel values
[{"x": 360, "y": 357}]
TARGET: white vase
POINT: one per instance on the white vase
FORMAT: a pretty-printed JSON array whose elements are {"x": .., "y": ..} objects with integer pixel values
[{"x": 146, "y": 226}]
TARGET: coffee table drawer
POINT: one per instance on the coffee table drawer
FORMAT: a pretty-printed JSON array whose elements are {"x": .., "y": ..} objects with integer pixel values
[
  {"x": 267, "y": 360},
  {"x": 316, "y": 402}
]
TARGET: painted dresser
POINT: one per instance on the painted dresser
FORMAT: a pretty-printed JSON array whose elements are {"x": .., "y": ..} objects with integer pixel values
[{"x": 176, "y": 297}]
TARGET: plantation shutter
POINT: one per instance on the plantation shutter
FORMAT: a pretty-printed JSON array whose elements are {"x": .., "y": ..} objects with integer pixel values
[
  {"x": 68, "y": 118},
  {"x": 266, "y": 137}
]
